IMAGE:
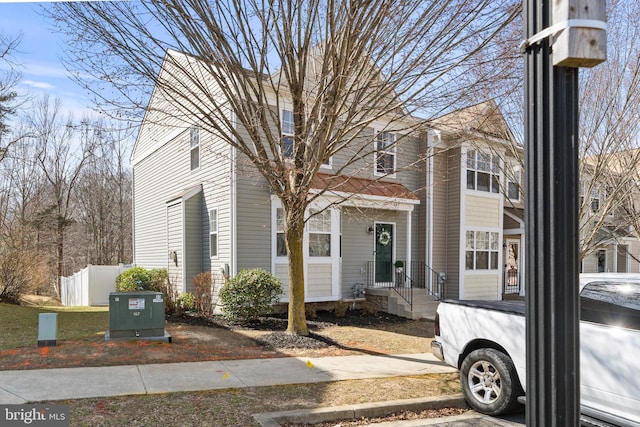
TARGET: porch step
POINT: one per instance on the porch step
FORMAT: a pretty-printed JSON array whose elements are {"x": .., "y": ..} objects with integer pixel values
[{"x": 424, "y": 306}]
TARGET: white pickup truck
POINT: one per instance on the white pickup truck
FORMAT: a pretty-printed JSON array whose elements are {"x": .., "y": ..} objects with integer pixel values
[{"x": 485, "y": 340}]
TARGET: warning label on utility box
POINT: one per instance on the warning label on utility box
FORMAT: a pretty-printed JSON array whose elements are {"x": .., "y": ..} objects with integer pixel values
[{"x": 136, "y": 303}]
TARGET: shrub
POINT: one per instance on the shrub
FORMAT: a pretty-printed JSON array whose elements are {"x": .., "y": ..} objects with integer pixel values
[
  {"x": 203, "y": 288},
  {"x": 156, "y": 280},
  {"x": 160, "y": 282},
  {"x": 310, "y": 311},
  {"x": 250, "y": 294},
  {"x": 341, "y": 309},
  {"x": 370, "y": 308},
  {"x": 185, "y": 301},
  {"x": 133, "y": 279}
]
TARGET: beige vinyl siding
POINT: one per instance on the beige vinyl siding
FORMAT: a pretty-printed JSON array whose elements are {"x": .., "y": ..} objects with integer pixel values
[
  {"x": 452, "y": 214},
  {"x": 590, "y": 263},
  {"x": 481, "y": 286},
  {"x": 482, "y": 211},
  {"x": 354, "y": 161},
  {"x": 318, "y": 280},
  {"x": 622, "y": 259},
  {"x": 253, "y": 211},
  {"x": 157, "y": 179},
  {"x": 358, "y": 245},
  {"x": 357, "y": 159},
  {"x": 441, "y": 215},
  {"x": 282, "y": 273},
  {"x": 175, "y": 244},
  {"x": 193, "y": 239},
  {"x": 634, "y": 253},
  {"x": 509, "y": 223},
  {"x": 163, "y": 175}
]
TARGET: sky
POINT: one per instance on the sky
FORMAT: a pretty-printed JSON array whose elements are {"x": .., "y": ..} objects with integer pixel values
[{"x": 39, "y": 56}]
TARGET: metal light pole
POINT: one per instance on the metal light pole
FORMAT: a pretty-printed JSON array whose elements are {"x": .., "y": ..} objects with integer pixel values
[{"x": 561, "y": 36}]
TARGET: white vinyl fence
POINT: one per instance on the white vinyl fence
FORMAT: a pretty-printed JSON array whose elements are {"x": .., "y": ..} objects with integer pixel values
[{"x": 91, "y": 285}]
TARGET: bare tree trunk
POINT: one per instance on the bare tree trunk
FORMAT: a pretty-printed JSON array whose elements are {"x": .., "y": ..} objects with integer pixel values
[
  {"x": 297, "y": 323},
  {"x": 59, "y": 256}
]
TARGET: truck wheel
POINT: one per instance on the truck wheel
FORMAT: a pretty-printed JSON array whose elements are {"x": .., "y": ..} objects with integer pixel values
[{"x": 490, "y": 382}]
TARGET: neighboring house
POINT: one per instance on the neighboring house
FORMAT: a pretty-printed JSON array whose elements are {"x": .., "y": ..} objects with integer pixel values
[
  {"x": 439, "y": 209},
  {"x": 476, "y": 224},
  {"x": 608, "y": 200}
]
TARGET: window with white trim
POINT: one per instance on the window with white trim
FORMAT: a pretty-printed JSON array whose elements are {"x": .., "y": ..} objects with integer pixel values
[
  {"x": 281, "y": 244},
  {"x": 482, "y": 250},
  {"x": 513, "y": 183},
  {"x": 194, "y": 147},
  {"x": 213, "y": 232},
  {"x": 602, "y": 260},
  {"x": 287, "y": 133},
  {"x": 483, "y": 172},
  {"x": 596, "y": 196},
  {"x": 385, "y": 153},
  {"x": 319, "y": 225}
]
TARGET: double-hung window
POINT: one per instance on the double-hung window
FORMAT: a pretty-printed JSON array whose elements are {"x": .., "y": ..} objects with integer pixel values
[
  {"x": 385, "y": 153},
  {"x": 213, "y": 232},
  {"x": 483, "y": 172},
  {"x": 601, "y": 257},
  {"x": 319, "y": 233},
  {"x": 281, "y": 244},
  {"x": 287, "y": 133},
  {"x": 194, "y": 147},
  {"x": 595, "y": 200},
  {"x": 513, "y": 183},
  {"x": 482, "y": 250}
]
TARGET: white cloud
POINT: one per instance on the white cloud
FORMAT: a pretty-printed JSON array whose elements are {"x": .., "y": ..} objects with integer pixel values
[{"x": 38, "y": 85}]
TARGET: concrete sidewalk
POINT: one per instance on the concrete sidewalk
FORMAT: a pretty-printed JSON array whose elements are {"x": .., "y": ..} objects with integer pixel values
[{"x": 18, "y": 387}]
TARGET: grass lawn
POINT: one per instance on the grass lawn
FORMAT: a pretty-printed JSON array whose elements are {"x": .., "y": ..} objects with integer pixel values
[
  {"x": 81, "y": 343},
  {"x": 20, "y": 323},
  {"x": 234, "y": 407}
]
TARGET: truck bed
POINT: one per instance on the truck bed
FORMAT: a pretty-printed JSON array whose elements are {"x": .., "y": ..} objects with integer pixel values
[{"x": 512, "y": 307}]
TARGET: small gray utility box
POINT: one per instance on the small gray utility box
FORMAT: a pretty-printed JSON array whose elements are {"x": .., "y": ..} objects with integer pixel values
[{"x": 137, "y": 315}]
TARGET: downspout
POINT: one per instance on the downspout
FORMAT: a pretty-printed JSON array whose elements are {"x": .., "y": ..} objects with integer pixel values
[
  {"x": 433, "y": 138},
  {"x": 133, "y": 215},
  {"x": 407, "y": 265},
  {"x": 233, "y": 204}
]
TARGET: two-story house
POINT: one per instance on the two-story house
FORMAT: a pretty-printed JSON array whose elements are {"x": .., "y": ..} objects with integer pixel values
[
  {"x": 608, "y": 213},
  {"x": 437, "y": 208},
  {"x": 475, "y": 226},
  {"x": 200, "y": 205}
]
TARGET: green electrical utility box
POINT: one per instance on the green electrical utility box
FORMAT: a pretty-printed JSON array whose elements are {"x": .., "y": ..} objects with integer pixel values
[{"x": 137, "y": 315}]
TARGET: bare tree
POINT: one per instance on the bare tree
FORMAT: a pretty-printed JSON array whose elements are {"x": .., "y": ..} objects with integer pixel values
[
  {"x": 23, "y": 266},
  {"x": 103, "y": 196},
  {"x": 339, "y": 64},
  {"x": 609, "y": 131},
  {"x": 8, "y": 96},
  {"x": 63, "y": 150}
]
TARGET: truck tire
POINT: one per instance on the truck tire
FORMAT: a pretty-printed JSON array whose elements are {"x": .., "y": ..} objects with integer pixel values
[{"x": 490, "y": 382}]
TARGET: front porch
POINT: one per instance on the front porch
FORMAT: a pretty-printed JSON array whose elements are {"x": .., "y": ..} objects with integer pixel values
[{"x": 413, "y": 292}]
